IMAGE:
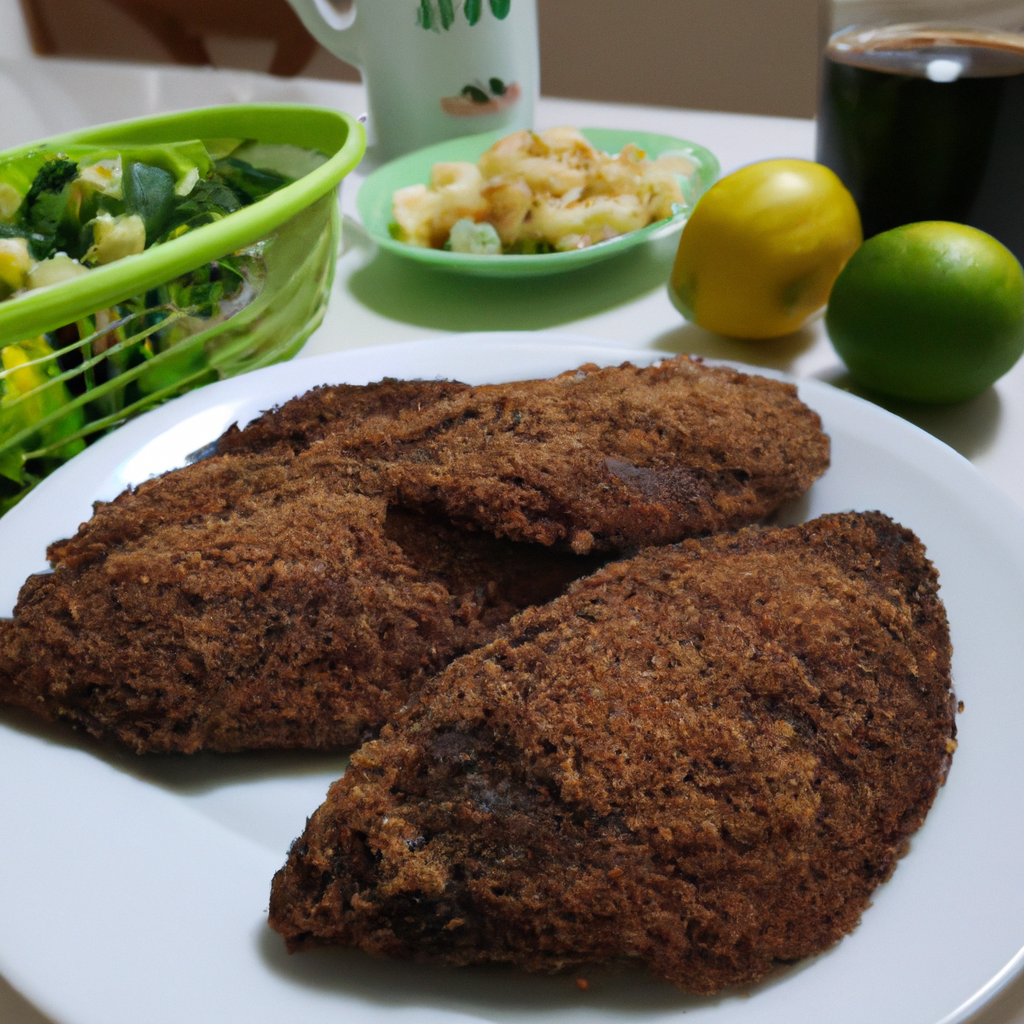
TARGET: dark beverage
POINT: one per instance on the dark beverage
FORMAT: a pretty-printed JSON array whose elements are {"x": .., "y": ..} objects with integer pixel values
[{"x": 927, "y": 124}]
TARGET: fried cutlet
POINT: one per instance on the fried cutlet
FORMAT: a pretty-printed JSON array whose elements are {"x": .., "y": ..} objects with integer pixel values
[
  {"x": 703, "y": 759},
  {"x": 297, "y": 588},
  {"x": 247, "y": 602},
  {"x": 600, "y": 459}
]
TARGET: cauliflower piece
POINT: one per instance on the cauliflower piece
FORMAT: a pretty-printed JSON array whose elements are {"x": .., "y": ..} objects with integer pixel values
[{"x": 480, "y": 239}]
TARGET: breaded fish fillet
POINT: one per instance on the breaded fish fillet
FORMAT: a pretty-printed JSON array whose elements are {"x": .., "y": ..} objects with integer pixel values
[
  {"x": 247, "y": 602},
  {"x": 297, "y": 589},
  {"x": 602, "y": 459},
  {"x": 705, "y": 759}
]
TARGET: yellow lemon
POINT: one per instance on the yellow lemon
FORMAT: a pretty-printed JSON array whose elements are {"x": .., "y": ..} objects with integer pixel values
[{"x": 763, "y": 247}]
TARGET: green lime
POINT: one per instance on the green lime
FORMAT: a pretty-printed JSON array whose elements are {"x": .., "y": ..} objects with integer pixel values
[{"x": 931, "y": 312}]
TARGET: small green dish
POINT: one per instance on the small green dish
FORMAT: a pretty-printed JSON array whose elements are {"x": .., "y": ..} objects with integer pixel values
[{"x": 375, "y": 195}]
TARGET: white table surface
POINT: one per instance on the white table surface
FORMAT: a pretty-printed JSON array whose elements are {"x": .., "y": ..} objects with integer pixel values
[{"x": 379, "y": 298}]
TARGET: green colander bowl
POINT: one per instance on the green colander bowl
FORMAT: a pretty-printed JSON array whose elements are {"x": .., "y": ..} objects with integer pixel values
[{"x": 116, "y": 344}]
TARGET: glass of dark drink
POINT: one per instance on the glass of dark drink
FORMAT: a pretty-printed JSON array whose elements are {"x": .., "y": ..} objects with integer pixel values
[{"x": 922, "y": 112}]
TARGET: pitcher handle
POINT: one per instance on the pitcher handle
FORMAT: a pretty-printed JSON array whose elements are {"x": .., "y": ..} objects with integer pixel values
[{"x": 336, "y": 31}]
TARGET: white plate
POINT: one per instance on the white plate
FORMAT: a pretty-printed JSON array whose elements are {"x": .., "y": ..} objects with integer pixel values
[{"x": 134, "y": 891}]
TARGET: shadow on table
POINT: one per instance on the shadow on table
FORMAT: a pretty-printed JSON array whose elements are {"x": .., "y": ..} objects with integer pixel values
[
  {"x": 969, "y": 427},
  {"x": 774, "y": 353},
  {"x": 494, "y": 992},
  {"x": 185, "y": 774},
  {"x": 192, "y": 774},
  {"x": 16, "y": 1009},
  {"x": 402, "y": 289}
]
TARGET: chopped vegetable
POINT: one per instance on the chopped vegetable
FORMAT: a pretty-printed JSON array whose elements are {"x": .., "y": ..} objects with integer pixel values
[
  {"x": 62, "y": 213},
  {"x": 103, "y": 176},
  {"x": 46, "y": 208},
  {"x": 209, "y": 202},
  {"x": 30, "y": 411},
  {"x": 115, "y": 237},
  {"x": 94, "y": 206},
  {"x": 468, "y": 236},
  {"x": 248, "y": 182},
  {"x": 149, "y": 194},
  {"x": 55, "y": 270},
  {"x": 10, "y": 200},
  {"x": 15, "y": 262}
]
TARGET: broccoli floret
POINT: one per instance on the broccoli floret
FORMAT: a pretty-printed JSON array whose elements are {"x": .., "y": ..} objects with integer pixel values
[
  {"x": 45, "y": 209},
  {"x": 52, "y": 177}
]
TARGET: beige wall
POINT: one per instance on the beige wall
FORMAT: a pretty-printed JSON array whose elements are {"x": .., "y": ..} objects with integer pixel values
[{"x": 754, "y": 56}]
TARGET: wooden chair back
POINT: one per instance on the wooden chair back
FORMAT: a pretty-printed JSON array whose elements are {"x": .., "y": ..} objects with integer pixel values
[{"x": 180, "y": 25}]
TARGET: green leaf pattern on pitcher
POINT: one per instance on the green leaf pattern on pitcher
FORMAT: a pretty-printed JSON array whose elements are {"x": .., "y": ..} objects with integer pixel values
[{"x": 438, "y": 14}]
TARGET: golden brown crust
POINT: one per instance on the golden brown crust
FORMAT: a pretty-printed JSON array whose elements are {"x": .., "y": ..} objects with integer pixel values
[
  {"x": 705, "y": 758},
  {"x": 279, "y": 595},
  {"x": 602, "y": 459},
  {"x": 251, "y": 602}
]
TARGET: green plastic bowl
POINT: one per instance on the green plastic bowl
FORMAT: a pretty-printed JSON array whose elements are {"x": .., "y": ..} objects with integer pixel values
[
  {"x": 374, "y": 203},
  {"x": 285, "y": 244},
  {"x": 339, "y": 136}
]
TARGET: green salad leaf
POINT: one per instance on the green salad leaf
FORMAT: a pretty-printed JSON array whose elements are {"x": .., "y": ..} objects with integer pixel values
[
  {"x": 247, "y": 182},
  {"x": 93, "y": 204},
  {"x": 149, "y": 192}
]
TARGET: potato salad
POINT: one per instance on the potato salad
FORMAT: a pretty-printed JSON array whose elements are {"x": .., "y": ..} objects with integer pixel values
[{"x": 540, "y": 192}]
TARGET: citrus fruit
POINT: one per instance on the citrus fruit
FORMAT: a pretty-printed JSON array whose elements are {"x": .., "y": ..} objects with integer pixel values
[
  {"x": 931, "y": 312},
  {"x": 760, "y": 251}
]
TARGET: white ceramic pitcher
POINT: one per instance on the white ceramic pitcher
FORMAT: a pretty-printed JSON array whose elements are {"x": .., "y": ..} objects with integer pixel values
[{"x": 435, "y": 69}]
